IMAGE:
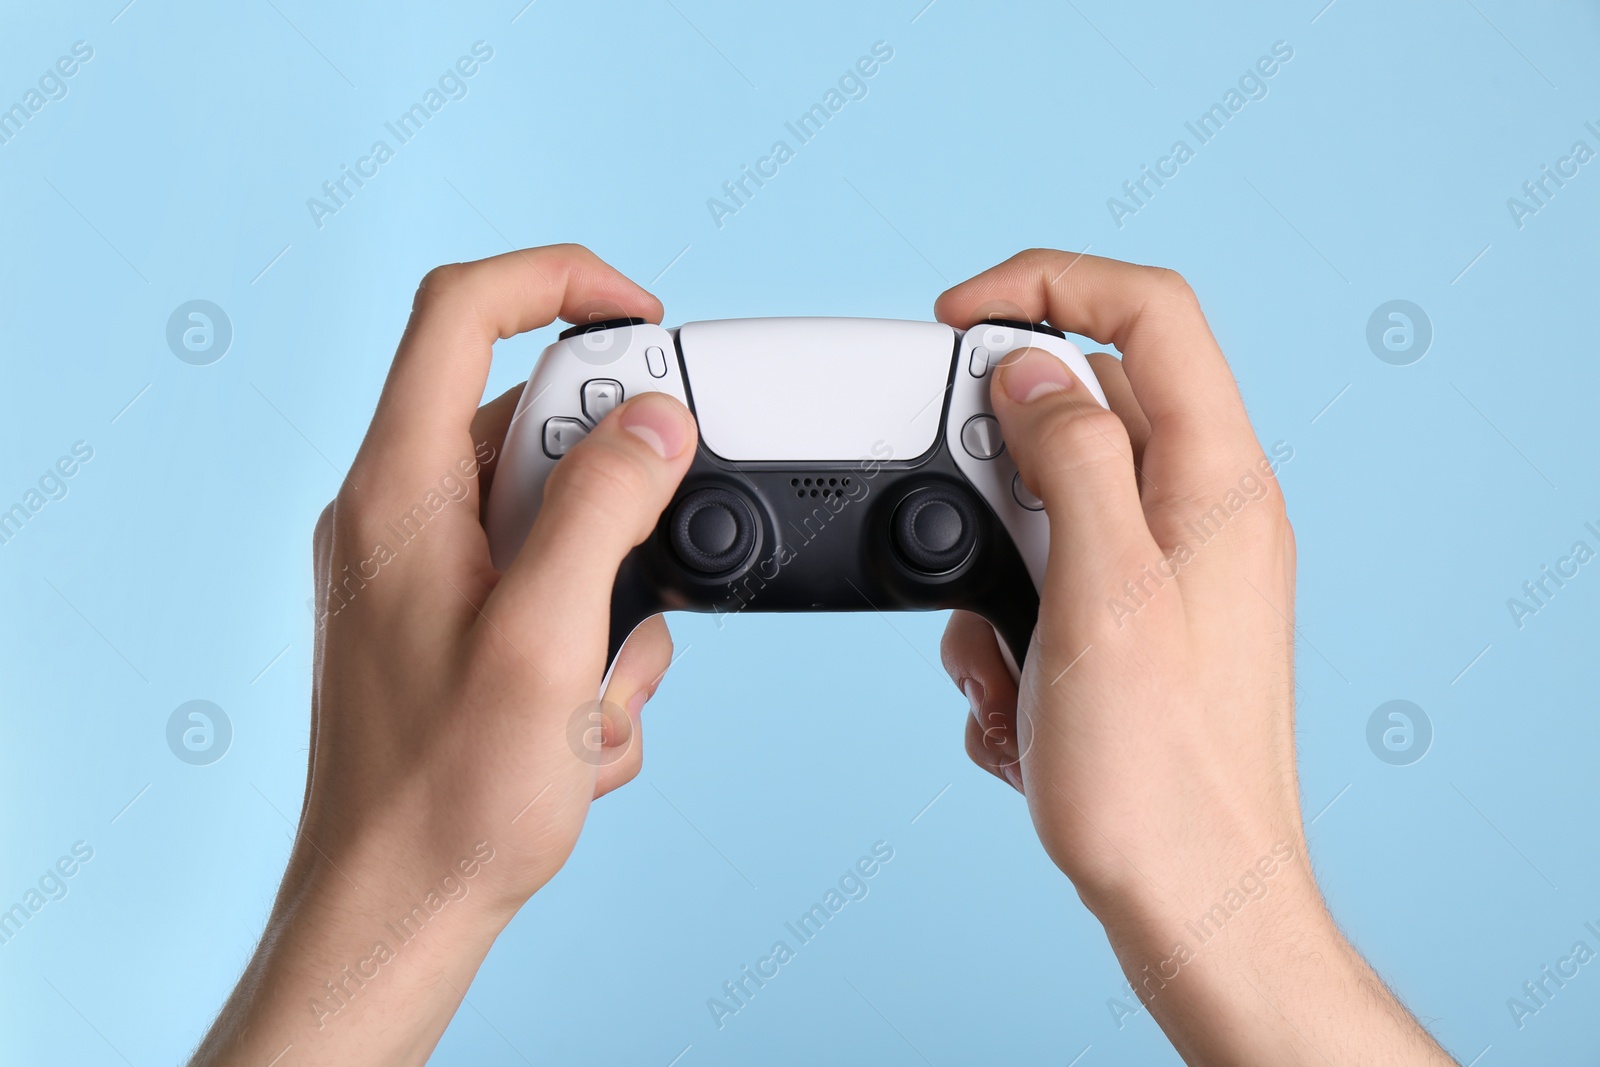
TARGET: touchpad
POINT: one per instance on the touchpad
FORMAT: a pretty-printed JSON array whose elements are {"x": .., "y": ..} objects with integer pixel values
[{"x": 827, "y": 390}]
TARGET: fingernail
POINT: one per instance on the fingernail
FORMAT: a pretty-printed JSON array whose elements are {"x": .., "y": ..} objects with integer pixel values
[
  {"x": 974, "y": 691},
  {"x": 654, "y": 419},
  {"x": 1034, "y": 373},
  {"x": 636, "y": 704}
]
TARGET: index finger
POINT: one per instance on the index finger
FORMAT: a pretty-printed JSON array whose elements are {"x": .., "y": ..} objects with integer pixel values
[
  {"x": 1173, "y": 363},
  {"x": 425, "y": 412}
]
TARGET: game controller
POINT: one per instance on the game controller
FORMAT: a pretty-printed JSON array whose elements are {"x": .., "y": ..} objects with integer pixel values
[{"x": 843, "y": 465}]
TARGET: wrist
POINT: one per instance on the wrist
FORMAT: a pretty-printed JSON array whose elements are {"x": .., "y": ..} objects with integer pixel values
[
  {"x": 1252, "y": 968},
  {"x": 1206, "y": 888},
  {"x": 395, "y": 882},
  {"x": 1224, "y": 898},
  {"x": 1170, "y": 938},
  {"x": 1137, "y": 868},
  {"x": 369, "y": 952},
  {"x": 415, "y": 847}
]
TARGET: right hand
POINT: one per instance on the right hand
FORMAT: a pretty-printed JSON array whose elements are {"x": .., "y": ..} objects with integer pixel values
[
  {"x": 1153, "y": 729},
  {"x": 1154, "y": 726}
]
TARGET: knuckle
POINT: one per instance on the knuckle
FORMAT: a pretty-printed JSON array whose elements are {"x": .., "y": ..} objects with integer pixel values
[
  {"x": 1173, "y": 289},
  {"x": 647, "y": 654},
  {"x": 440, "y": 283},
  {"x": 346, "y": 508},
  {"x": 491, "y": 660},
  {"x": 1247, "y": 510},
  {"x": 950, "y": 648},
  {"x": 1171, "y": 282},
  {"x": 664, "y": 646},
  {"x": 1264, "y": 493},
  {"x": 982, "y": 756},
  {"x": 353, "y": 520},
  {"x": 628, "y": 767},
  {"x": 322, "y": 532},
  {"x": 1102, "y": 362},
  {"x": 1086, "y": 438},
  {"x": 1273, "y": 502},
  {"x": 443, "y": 277},
  {"x": 1260, "y": 522},
  {"x": 973, "y": 738},
  {"x": 572, "y": 248},
  {"x": 961, "y": 647},
  {"x": 599, "y": 476}
]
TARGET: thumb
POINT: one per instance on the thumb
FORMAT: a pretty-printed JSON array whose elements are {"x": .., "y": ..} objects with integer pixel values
[
  {"x": 1077, "y": 457},
  {"x": 603, "y": 498}
]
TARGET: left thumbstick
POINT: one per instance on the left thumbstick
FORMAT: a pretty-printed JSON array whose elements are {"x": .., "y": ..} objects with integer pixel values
[{"x": 713, "y": 531}]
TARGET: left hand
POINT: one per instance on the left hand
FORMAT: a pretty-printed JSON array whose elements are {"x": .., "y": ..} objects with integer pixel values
[{"x": 448, "y": 778}]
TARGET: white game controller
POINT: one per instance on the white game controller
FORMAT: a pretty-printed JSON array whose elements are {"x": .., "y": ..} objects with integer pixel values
[{"x": 843, "y": 464}]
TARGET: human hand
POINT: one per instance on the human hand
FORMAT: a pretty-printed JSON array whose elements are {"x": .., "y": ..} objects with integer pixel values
[
  {"x": 1152, "y": 731},
  {"x": 444, "y": 785}
]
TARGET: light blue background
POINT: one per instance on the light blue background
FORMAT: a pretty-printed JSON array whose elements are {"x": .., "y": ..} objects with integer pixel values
[{"x": 780, "y": 749}]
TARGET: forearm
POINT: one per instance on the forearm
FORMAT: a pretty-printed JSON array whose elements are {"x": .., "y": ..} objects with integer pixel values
[
  {"x": 1260, "y": 975},
  {"x": 359, "y": 963}
]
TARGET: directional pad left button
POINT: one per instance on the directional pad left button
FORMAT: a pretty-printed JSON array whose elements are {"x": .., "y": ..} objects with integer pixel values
[{"x": 561, "y": 433}]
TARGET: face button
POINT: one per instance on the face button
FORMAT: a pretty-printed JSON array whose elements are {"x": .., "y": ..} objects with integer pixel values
[
  {"x": 713, "y": 531},
  {"x": 1023, "y": 496},
  {"x": 981, "y": 437},
  {"x": 935, "y": 529},
  {"x": 561, "y": 433},
  {"x": 600, "y": 396}
]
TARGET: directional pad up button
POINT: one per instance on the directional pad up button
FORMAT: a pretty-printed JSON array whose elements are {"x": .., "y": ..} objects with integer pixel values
[{"x": 600, "y": 396}]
